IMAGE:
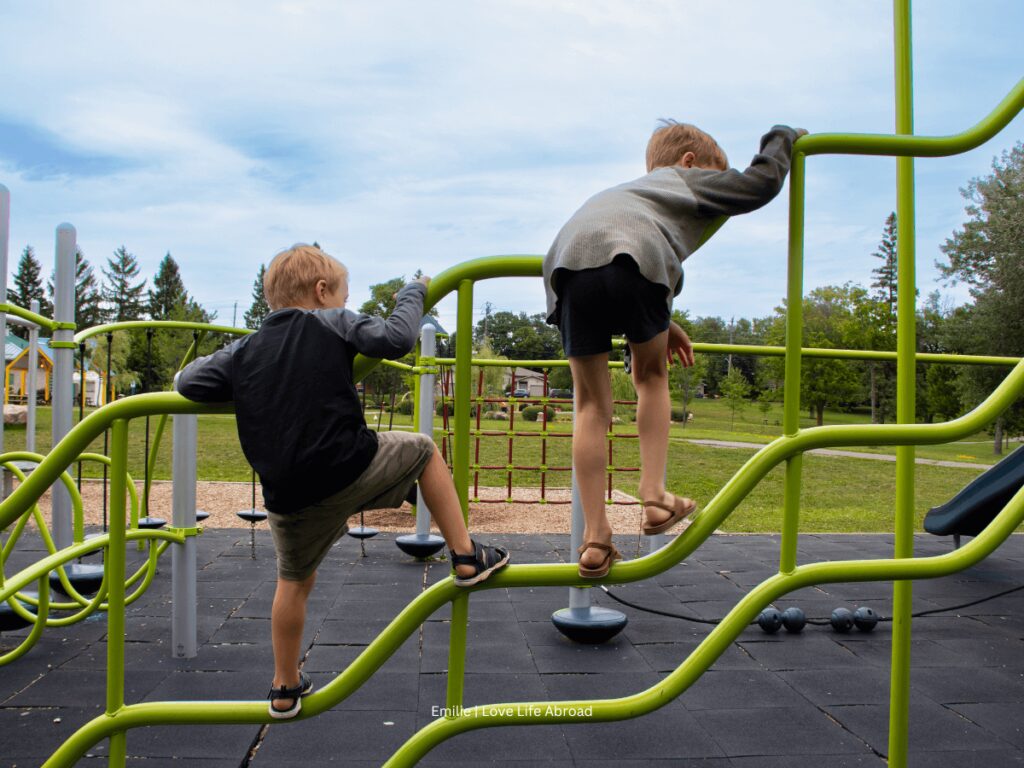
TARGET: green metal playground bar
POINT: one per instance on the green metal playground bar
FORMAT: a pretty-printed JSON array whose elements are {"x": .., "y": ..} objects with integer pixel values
[{"x": 120, "y": 718}]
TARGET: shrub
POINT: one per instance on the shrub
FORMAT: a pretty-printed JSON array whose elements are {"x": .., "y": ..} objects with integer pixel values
[
  {"x": 532, "y": 413},
  {"x": 449, "y": 406},
  {"x": 405, "y": 405},
  {"x": 679, "y": 413}
]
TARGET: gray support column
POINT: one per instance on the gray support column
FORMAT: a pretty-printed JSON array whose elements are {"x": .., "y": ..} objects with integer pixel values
[
  {"x": 32, "y": 380},
  {"x": 63, "y": 368},
  {"x": 582, "y": 622},
  {"x": 578, "y": 596},
  {"x": 428, "y": 348},
  {"x": 183, "y": 556},
  {"x": 423, "y": 543},
  {"x": 5, "y": 236}
]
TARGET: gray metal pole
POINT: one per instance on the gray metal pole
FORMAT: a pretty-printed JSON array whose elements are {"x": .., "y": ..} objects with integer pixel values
[
  {"x": 183, "y": 556},
  {"x": 428, "y": 348},
  {"x": 63, "y": 369},
  {"x": 32, "y": 380},
  {"x": 578, "y": 596},
  {"x": 5, "y": 235}
]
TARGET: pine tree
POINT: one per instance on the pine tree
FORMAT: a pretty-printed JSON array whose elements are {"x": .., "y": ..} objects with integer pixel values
[
  {"x": 28, "y": 285},
  {"x": 168, "y": 290},
  {"x": 123, "y": 299},
  {"x": 88, "y": 312},
  {"x": 885, "y": 275},
  {"x": 882, "y": 376},
  {"x": 259, "y": 309}
]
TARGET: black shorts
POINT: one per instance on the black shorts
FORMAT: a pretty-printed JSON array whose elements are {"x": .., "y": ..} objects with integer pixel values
[{"x": 613, "y": 300}]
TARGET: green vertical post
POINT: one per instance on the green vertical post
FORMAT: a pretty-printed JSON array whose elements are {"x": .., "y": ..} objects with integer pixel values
[
  {"x": 906, "y": 381},
  {"x": 460, "y": 466},
  {"x": 115, "y": 564},
  {"x": 791, "y": 385}
]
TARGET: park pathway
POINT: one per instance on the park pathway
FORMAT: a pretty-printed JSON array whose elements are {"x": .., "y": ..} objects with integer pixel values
[{"x": 847, "y": 454}]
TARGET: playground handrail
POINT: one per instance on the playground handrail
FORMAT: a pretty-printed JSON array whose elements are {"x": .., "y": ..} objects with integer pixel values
[{"x": 137, "y": 325}]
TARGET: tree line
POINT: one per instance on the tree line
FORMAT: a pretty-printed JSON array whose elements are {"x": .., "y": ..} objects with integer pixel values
[{"x": 140, "y": 360}]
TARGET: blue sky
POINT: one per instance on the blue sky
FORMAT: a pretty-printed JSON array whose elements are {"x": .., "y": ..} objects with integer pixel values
[{"x": 405, "y": 135}]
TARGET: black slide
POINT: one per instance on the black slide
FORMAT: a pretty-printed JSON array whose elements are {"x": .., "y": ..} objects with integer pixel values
[{"x": 967, "y": 513}]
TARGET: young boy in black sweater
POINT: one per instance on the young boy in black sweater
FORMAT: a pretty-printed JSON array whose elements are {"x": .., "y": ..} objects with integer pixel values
[{"x": 301, "y": 426}]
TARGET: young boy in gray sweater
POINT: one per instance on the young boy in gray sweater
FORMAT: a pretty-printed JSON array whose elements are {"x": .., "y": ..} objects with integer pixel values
[
  {"x": 301, "y": 426},
  {"x": 613, "y": 269}
]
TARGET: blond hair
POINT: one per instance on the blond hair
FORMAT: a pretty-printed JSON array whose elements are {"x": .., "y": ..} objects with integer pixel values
[
  {"x": 294, "y": 273},
  {"x": 672, "y": 140}
]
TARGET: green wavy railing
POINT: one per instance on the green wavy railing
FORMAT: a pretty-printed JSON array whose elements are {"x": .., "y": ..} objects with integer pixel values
[{"x": 902, "y": 568}]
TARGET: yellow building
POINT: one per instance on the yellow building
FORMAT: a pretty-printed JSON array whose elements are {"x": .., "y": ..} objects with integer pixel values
[{"x": 16, "y": 362}]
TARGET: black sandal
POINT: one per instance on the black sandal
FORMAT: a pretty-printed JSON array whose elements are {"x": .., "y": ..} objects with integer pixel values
[
  {"x": 486, "y": 560},
  {"x": 296, "y": 692}
]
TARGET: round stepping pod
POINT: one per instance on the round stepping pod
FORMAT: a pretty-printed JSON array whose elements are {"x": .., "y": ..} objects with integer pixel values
[
  {"x": 590, "y": 625},
  {"x": 841, "y": 620},
  {"x": 770, "y": 620},
  {"x": 865, "y": 619},
  {"x": 252, "y": 516},
  {"x": 793, "y": 619},
  {"x": 201, "y": 515},
  {"x": 420, "y": 545},
  {"x": 362, "y": 532},
  {"x": 152, "y": 522},
  {"x": 86, "y": 579}
]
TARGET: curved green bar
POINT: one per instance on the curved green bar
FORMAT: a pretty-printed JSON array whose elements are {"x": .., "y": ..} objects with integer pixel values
[
  {"x": 82, "y": 434},
  {"x": 137, "y": 325},
  {"x": 916, "y": 146},
  {"x": 14, "y": 309}
]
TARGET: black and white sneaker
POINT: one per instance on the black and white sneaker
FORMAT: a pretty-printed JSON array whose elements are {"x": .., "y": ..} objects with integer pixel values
[{"x": 486, "y": 560}]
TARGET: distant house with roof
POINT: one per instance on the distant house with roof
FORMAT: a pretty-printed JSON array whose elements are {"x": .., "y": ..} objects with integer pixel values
[{"x": 16, "y": 365}]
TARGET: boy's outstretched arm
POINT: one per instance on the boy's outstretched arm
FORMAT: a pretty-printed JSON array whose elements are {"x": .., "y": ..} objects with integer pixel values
[
  {"x": 390, "y": 337},
  {"x": 732, "y": 192}
]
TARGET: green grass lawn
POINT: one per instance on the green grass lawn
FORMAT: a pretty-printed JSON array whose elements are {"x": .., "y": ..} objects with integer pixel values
[{"x": 839, "y": 494}]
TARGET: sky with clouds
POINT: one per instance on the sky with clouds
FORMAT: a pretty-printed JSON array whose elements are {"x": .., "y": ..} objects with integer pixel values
[{"x": 405, "y": 136}]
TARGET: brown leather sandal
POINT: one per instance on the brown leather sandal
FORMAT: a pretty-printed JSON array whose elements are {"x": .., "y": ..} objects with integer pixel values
[
  {"x": 611, "y": 555},
  {"x": 682, "y": 508}
]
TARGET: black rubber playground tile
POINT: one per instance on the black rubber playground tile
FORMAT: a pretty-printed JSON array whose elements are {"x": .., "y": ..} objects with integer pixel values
[
  {"x": 1005, "y": 721},
  {"x": 669, "y": 732},
  {"x": 618, "y": 655},
  {"x": 192, "y": 741},
  {"x": 665, "y": 657},
  {"x": 28, "y": 735},
  {"x": 807, "y": 650},
  {"x": 858, "y": 760},
  {"x": 336, "y": 736},
  {"x": 825, "y": 687},
  {"x": 932, "y": 726},
  {"x": 791, "y": 728}
]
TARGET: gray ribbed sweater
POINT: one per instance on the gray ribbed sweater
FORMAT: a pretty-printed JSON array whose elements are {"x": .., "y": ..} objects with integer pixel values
[{"x": 659, "y": 218}]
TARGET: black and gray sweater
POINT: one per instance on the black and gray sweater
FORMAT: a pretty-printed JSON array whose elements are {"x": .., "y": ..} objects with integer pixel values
[
  {"x": 659, "y": 218},
  {"x": 300, "y": 421}
]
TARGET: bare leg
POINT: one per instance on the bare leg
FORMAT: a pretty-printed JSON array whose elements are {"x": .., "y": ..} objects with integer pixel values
[
  {"x": 593, "y": 388},
  {"x": 287, "y": 619},
  {"x": 653, "y": 415},
  {"x": 440, "y": 496}
]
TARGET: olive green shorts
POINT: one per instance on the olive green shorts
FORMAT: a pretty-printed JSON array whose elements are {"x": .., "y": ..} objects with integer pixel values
[{"x": 302, "y": 539}]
